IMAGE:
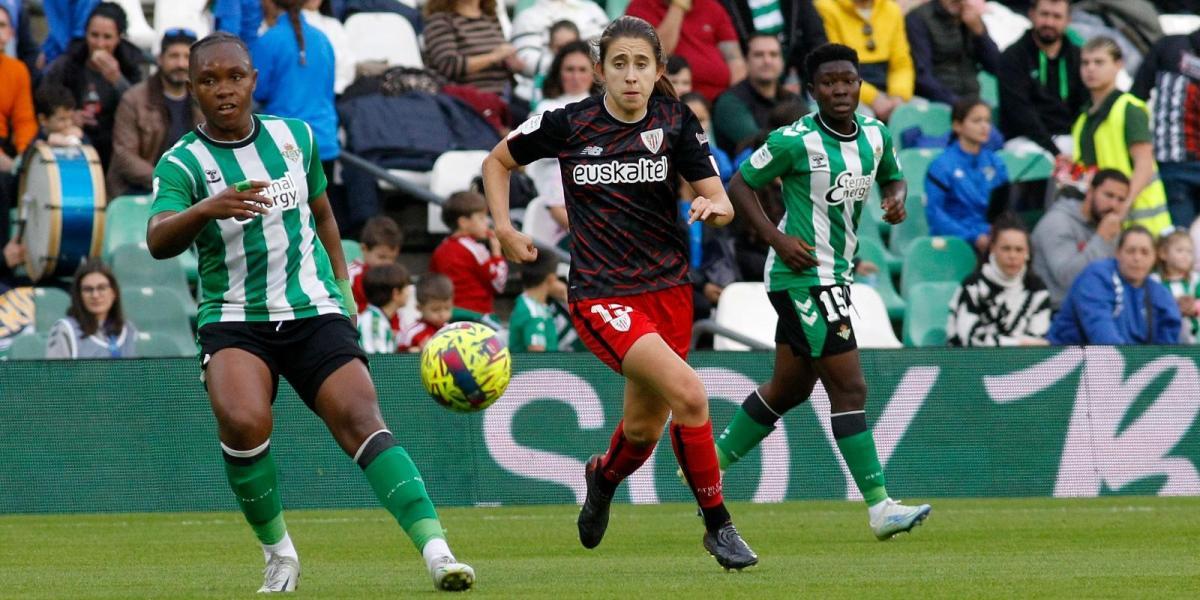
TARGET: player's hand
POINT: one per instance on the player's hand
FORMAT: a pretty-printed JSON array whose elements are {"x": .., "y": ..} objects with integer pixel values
[
  {"x": 230, "y": 203},
  {"x": 517, "y": 246},
  {"x": 797, "y": 254},
  {"x": 707, "y": 211},
  {"x": 893, "y": 210}
]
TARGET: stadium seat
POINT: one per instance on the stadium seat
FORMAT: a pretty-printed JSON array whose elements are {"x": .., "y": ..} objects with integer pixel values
[
  {"x": 912, "y": 227},
  {"x": 744, "y": 308},
  {"x": 125, "y": 223},
  {"x": 156, "y": 310},
  {"x": 932, "y": 118},
  {"x": 49, "y": 305},
  {"x": 989, "y": 91},
  {"x": 539, "y": 225},
  {"x": 940, "y": 258},
  {"x": 352, "y": 250},
  {"x": 873, "y": 251},
  {"x": 134, "y": 266},
  {"x": 1026, "y": 166},
  {"x": 157, "y": 345},
  {"x": 615, "y": 8},
  {"x": 915, "y": 162},
  {"x": 452, "y": 172},
  {"x": 386, "y": 37},
  {"x": 871, "y": 319},
  {"x": 28, "y": 347},
  {"x": 928, "y": 312}
]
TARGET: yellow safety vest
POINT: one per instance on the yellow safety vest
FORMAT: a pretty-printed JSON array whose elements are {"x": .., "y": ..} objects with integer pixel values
[{"x": 1150, "y": 207}]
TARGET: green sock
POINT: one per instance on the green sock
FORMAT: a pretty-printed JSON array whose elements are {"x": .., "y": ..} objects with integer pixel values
[
  {"x": 859, "y": 452},
  {"x": 740, "y": 437},
  {"x": 400, "y": 489},
  {"x": 256, "y": 487}
]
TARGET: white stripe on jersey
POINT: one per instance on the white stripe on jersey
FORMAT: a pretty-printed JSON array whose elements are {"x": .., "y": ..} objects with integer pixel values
[
  {"x": 233, "y": 308},
  {"x": 818, "y": 186},
  {"x": 767, "y": 266},
  {"x": 274, "y": 235},
  {"x": 854, "y": 165}
]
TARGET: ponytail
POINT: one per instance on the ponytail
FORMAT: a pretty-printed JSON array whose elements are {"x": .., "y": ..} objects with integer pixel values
[
  {"x": 293, "y": 12},
  {"x": 664, "y": 87}
]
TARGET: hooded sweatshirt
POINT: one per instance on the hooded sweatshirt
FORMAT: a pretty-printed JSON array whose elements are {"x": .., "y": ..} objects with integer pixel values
[
  {"x": 1064, "y": 242},
  {"x": 1105, "y": 308}
]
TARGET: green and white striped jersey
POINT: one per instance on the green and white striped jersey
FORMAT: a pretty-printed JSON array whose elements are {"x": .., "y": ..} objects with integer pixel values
[
  {"x": 270, "y": 267},
  {"x": 826, "y": 177}
]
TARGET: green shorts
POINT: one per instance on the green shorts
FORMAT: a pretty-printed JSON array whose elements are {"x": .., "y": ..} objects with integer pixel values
[{"x": 814, "y": 321}]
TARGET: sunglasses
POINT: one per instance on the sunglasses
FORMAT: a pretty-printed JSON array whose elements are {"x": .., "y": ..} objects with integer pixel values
[
  {"x": 179, "y": 32},
  {"x": 868, "y": 31}
]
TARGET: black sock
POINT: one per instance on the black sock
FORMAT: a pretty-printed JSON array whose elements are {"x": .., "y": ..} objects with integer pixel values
[
  {"x": 756, "y": 408},
  {"x": 715, "y": 517},
  {"x": 848, "y": 423}
]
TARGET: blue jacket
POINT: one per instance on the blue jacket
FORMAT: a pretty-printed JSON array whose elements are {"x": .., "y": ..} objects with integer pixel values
[
  {"x": 66, "y": 20},
  {"x": 239, "y": 17},
  {"x": 287, "y": 88},
  {"x": 1103, "y": 308},
  {"x": 958, "y": 188}
]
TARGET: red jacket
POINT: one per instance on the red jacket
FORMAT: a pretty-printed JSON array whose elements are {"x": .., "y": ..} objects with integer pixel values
[
  {"x": 477, "y": 275},
  {"x": 356, "y": 269}
]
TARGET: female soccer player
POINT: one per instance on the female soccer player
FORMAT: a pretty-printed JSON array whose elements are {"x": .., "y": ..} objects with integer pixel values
[
  {"x": 828, "y": 161},
  {"x": 621, "y": 154},
  {"x": 276, "y": 301}
]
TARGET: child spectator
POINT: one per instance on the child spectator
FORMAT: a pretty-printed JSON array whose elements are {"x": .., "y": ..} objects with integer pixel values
[
  {"x": 380, "y": 241},
  {"x": 960, "y": 182},
  {"x": 470, "y": 257},
  {"x": 386, "y": 287},
  {"x": 56, "y": 108},
  {"x": 531, "y": 328},
  {"x": 435, "y": 301},
  {"x": 1176, "y": 270},
  {"x": 679, "y": 72}
]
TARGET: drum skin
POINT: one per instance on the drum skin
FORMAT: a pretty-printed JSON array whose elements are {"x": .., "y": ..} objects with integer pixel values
[{"x": 62, "y": 204}]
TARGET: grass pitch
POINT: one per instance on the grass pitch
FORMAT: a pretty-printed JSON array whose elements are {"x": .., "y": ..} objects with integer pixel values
[{"x": 1104, "y": 548}]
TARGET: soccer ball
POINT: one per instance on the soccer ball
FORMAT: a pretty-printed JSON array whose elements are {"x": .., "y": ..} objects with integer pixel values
[{"x": 465, "y": 367}]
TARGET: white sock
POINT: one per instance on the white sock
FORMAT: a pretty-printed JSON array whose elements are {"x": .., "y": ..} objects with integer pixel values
[
  {"x": 874, "y": 511},
  {"x": 283, "y": 547},
  {"x": 435, "y": 549}
]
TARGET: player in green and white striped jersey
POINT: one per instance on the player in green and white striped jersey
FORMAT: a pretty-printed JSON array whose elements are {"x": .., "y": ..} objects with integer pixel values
[
  {"x": 248, "y": 190},
  {"x": 828, "y": 162}
]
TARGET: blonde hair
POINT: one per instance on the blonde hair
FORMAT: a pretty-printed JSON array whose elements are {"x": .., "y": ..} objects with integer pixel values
[{"x": 1105, "y": 43}]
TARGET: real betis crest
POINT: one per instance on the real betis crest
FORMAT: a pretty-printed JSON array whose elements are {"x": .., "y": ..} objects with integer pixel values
[{"x": 290, "y": 152}]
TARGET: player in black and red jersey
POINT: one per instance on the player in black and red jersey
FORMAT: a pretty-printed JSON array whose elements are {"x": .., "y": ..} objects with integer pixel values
[{"x": 621, "y": 156}]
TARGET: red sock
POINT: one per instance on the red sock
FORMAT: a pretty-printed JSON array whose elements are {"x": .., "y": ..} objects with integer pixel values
[
  {"x": 698, "y": 458},
  {"x": 623, "y": 457}
]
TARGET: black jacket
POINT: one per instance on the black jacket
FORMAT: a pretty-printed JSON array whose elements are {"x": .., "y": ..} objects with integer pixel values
[
  {"x": 1033, "y": 110},
  {"x": 946, "y": 55},
  {"x": 803, "y": 29}
]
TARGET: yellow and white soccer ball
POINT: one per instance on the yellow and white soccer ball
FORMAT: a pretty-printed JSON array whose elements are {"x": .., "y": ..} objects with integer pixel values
[{"x": 465, "y": 367}]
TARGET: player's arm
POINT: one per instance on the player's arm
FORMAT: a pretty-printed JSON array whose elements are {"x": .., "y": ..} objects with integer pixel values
[
  {"x": 539, "y": 137},
  {"x": 712, "y": 204},
  {"x": 794, "y": 252},
  {"x": 327, "y": 231},
  {"x": 170, "y": 232},
  {"x": 891, "y": 181}
]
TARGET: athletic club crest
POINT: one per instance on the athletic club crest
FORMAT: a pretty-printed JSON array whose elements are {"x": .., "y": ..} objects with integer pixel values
[
  {"x": 653, "y": 140},
  {"x": 290, "y": 152}
]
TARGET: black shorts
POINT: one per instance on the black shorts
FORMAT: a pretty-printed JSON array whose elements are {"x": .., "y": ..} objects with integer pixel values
[
  {"x": 815, "y": 322},
  {"x": 303, "y": 351}
]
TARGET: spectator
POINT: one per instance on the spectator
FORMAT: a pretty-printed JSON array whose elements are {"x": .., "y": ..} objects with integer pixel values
[
  {"x": 66, "y": 21},
  {"x": 701, "y": 32},
  {"x": 795, "y": 23},
  {"x": 243, "y": 18},
  {"x": 343, "y": 53},
  {"x": 700, "y": 108},
  {"x": 380, "y": 242},
  {"x": 531, "y": 327},
  {"x": 98, "y": 70},
  {"x": 386, "y": 287},
  {"x": 435, "y": 301},
  {"x": 295, "y": 76},
  {"x": 874, "y": 29},
  {"x": 463, "y": 42},
  {"x": 57, "y": 116},
  {"x": 1040, "y": 88},
  {"x": 152, "y": 116},
  {"x": 679, "y": 73},
  {"x": 535, "y": 30},
  {"x": 1072, "y": 233},
  {"x": 20, "y": 44},
  {"x": 95, "y": 326},
  {"x": 949, "y": 46},
  {"x": 1113, "y": 132},
  {"x": 18, "y": 126},
  {"x": 1002, "y": 303},
  {"x": 470, "y": 257},
  {"x": 1114, "y": 301},
  {"x": 741, "y": 111},
  {"x": 1177, "y": 271},
  {"x": 1172, "y": 68},
  {"x": 960, "y": 182}
]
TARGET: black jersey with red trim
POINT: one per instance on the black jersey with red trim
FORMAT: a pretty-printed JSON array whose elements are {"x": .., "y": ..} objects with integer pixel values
[{"x": 621, "y": 184}]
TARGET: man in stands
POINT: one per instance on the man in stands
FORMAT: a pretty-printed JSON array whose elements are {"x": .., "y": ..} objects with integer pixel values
[
  {"x": 949, "y": 45},
  {"x": 701, "y": 32},
  {"x": 741, "y": 112},
  {"x": 151, "y": 117}
]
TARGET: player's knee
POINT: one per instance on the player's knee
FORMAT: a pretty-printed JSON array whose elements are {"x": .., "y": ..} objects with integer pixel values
[
  {"x": 243, "y": 429},
  {"x": 642, "y": 433},
  {"x": 689, "y": 401},
  {"x": 849, "y": 394}
]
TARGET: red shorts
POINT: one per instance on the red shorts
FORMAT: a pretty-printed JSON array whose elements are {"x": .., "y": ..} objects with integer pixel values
[{"x": 610, "y": 326}]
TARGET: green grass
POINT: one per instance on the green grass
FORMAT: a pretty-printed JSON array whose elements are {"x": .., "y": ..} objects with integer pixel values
[{"x": 1112, "y": 547}]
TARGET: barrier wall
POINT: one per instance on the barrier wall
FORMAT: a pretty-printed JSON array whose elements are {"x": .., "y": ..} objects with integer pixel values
[{"x": 137, "y": 435}]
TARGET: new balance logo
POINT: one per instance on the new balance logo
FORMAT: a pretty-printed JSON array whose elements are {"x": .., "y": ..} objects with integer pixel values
[{"x": 592, "y": 151}]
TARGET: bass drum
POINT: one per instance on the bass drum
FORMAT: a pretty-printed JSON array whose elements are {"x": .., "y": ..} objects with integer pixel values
[{"x": 62, "y": 202}]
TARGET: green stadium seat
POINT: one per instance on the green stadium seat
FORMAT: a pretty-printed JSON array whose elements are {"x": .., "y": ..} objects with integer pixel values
[
  {"x": 125, "y": 223},
  {"x": 872, "y": 250},
  {"x": 49, "y": 305},
  {"x": 939, "y": 258},
  {"x": 134, "y": 266},
  {"x": 933, "y": 119},
  {"x": 912, "y": 227},
  {"x": 928, "y": 312},
  {"x": 615, "y": 8},
  {"x": 989, "y": 91},
  {"x": 875, "y": 207},
  {"x": 28, "y": 347},
  {"x": 157, "y": 345},
  {"x": 352, "y": 250},
  {"x": 1026, "y": 166},
  {"x": 914, "y": 162},
  {"x": 156, "y": 310}
]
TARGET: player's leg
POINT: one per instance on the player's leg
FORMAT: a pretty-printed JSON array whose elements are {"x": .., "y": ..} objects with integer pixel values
[
  {"x": 790, "y": 385},
  {"x": 240, "y": 388},
  {"x": 347, "y": 402},
  {"x": 843, "y": 379}
]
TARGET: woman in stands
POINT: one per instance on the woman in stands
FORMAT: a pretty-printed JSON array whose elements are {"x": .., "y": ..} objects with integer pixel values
[
  {"x": 621, "y": 154},
  {"x": 248, "y": 190},
  {"x": 95, "y": 326},
  {"x": 1002, "y": 303},
  {"x": 464, "y": 42},
  {"x": 960, "y": 181}
]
